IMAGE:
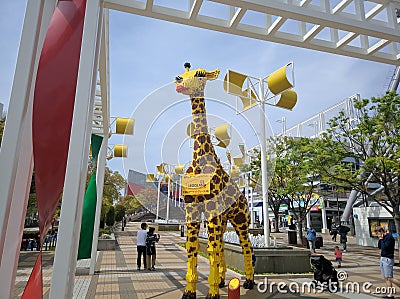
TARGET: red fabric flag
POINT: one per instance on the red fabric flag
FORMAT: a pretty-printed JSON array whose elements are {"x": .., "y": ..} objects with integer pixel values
[{"x": 53, "y": 107}]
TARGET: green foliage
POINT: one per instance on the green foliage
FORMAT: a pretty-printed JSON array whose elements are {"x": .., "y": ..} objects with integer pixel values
[
  {"x": 110, "y": 216},
  {"x": 293, "y": 171},
  {"x": 119, "y": 212},
  {"x": 130, "y": 203},
  {"x": 373, "y": 143},
  {"x": 114, "y": 183}
]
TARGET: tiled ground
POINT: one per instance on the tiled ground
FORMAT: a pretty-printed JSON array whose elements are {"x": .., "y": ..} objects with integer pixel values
[{"x": 116, "y": 275}]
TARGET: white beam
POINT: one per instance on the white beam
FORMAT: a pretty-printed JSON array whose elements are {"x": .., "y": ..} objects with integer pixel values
[
  {"x": 16, "y": 152},
  {"x": 303, "y": 12},
  {"x": 75, "y": 178}
]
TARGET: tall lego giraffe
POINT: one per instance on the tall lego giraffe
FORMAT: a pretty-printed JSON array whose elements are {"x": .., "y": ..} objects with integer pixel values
[{"x": 224, "y": 201}]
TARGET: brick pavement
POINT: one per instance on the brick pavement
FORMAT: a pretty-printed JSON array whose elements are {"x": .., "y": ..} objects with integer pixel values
[{"x": 116, "y": 275}]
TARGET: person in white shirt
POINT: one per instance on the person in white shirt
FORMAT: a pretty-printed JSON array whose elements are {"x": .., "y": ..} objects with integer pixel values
[{"x": 141, "y": 245}]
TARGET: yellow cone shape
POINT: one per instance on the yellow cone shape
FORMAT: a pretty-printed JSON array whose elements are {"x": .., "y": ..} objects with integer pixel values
[
  {"x": 150, "y": 177},
  {"x": 221, "y": 133},
  {"x": 278, "y": 81},
  {"x": 238, "y": 161},
  {"x": 120, "y": 151},
  {"x": 233, "y": 82},
  {"x": 124, "y": 126},
  {"x": 179, "y": 168},
  {"x": 235, "y": 172},
  {"x": 190, "y": 130},
  {"x": 160, "y": 168},
  {"x": 288, "y": 99}
]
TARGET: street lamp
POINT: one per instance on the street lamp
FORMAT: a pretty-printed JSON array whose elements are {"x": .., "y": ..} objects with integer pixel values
[{"x": 275, "y": 90}]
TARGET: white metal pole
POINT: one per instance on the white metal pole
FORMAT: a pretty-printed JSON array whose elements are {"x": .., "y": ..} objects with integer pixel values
[
  {"x": 71, "y": 210},
  {"x": 324, "y": 222},
  {"x": 16, "y": 154},
  {"x": 250, "y": 195},
  {"x": 158, "y": 198},
  {"x": 174, "y": 192},
  {"x": 180, "y": 191},
  {"x": 264, "y": 170},
  {"x": 101, "y": 160},
  {"x": 37, "y": 17},
  {"x": 169, "y": 188}
]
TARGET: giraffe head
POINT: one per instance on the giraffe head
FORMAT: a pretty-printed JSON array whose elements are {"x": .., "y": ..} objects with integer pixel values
[{"x": 193, "y": 82}]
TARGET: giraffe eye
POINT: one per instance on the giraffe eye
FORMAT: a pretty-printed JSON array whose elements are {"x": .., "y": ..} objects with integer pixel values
[{"x": 178, "y": 79}]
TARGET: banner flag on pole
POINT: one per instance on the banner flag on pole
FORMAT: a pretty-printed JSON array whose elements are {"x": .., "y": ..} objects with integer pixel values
[
  {"x": 53, "y": 107},
  {"x": 89, "y": 206}
]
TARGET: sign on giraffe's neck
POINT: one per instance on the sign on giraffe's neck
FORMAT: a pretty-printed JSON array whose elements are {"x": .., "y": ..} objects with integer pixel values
[{"x": 198, "y": 184}]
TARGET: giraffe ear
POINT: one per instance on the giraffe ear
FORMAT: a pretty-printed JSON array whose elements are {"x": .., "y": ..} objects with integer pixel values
[{"x": 212, "y": 75}]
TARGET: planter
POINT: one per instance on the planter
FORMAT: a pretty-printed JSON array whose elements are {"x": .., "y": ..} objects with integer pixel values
[
  {"x": 106, "y": 244},
  {"x": 268, "y": 260}
]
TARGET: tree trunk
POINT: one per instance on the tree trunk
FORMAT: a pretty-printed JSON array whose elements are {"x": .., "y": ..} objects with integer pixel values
[
  {"x": 300, "y": 230},
  {"x": 276, "y": 219}
]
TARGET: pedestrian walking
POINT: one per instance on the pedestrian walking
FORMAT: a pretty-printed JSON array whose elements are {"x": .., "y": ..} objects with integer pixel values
[
  {"x": 386, "y": 244},
  {"x": 342, "y": 231},
  {"x": 151, "y": 240},
  {"x": 343, "y": 241},
  {"x": 338, "y": 256},
  {"x": 141, "y": 246},
  {"x": 311, "y": 238},
  {"x": 333, "y": 232}
]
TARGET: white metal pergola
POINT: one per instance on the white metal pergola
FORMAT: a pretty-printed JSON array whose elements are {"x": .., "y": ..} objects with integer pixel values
[{"x": 363, "y": 29}]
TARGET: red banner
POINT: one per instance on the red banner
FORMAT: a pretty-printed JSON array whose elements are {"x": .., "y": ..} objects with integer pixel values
[{"x": 53, "y": 107}]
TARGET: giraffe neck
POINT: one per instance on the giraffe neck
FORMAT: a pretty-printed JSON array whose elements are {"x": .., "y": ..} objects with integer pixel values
[{"x": 199, "y": 118}]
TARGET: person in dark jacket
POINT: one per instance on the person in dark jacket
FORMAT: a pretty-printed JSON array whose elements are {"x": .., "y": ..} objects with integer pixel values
[
  {"x": 151, "y": 240},
  {"x": 386, "y": 244}
]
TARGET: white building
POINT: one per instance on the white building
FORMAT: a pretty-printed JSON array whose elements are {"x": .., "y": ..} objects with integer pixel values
[{"x": 367, "y": 220}]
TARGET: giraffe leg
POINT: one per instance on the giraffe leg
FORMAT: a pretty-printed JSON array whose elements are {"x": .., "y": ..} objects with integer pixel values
[
  {"x": 240, "y": 221},
  {"x": 192, "y": 247},
  {"x": 214, "y": 250},
  {"x": 222, "y": 264}
]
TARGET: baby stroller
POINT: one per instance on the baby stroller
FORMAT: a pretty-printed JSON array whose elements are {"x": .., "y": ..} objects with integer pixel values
[{"x": 324, "y": 273}]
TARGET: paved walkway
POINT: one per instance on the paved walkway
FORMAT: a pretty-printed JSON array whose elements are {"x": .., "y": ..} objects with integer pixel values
[{"x": 116, "y": 275}]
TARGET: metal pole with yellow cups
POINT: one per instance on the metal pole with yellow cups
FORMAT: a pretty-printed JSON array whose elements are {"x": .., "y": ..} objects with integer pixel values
[
  {"x": 160, "y": 177},
  {"x": 275, "y": 90},
  {"x": 179, "y": 170}
]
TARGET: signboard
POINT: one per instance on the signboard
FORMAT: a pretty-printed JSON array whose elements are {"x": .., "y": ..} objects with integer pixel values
[{"x": 198, "y": 184}]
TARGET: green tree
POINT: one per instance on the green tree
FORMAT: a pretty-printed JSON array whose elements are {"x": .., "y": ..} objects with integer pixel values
[
  {"x": 293, "y": 175},
  {"x": 119, "y": 212},
  {"x": 114, "y": 183},
  {"x": 110, "y": 216},
  {"x": 130, "y": 203},
  {"x": 371, "y": 138},
  {"x": 275, "y": 200}
]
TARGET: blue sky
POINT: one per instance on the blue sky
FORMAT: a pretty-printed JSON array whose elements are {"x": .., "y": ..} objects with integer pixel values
[{"x": 146, "y": 55}]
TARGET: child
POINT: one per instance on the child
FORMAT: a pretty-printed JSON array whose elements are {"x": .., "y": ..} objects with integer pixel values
[
  {"x": 151, "y": 240},
  {"x": 338, "y": 255}
]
